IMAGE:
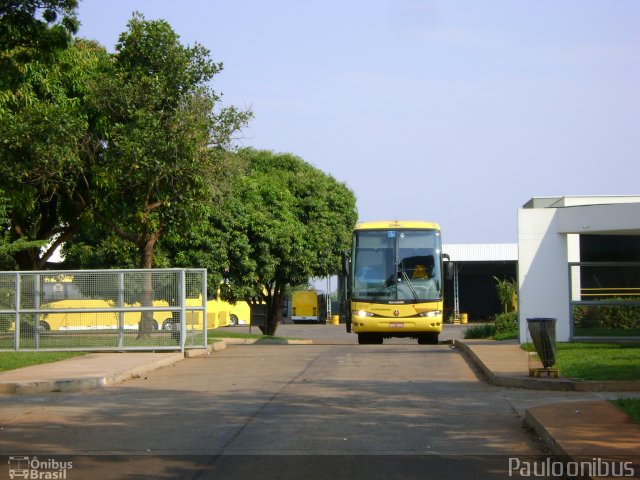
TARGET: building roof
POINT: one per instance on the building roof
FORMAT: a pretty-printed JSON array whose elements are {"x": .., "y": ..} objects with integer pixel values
[
  {"x": 481, "y": 252},
  {"x": 579, "y": 200}
]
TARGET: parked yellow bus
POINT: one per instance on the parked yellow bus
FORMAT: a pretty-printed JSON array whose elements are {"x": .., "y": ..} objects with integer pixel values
[
  {"x": 104, "y": 320},
  {"x": 392, "y": 282},
  {"x": 304, "y": 306},
  {"x": 219, "y": 314}
]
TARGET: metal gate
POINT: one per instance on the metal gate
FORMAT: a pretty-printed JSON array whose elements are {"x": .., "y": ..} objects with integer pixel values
[{"x": 93, "y": 310}]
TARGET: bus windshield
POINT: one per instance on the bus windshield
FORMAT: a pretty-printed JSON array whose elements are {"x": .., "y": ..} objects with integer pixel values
[{"x": 401, "y": 266}]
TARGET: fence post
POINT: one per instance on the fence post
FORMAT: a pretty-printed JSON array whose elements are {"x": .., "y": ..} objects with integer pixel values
[
  {"x": 204, "y": 312},
  {"x": 120, "y": 304},
  {"x": 183, "y": 310},
  {"x": 36, "y": 305},
  {"x": 16, "y": 303}
]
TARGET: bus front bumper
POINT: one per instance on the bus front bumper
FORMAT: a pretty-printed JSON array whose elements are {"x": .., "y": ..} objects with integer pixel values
[{"x": 396, "y": 325}]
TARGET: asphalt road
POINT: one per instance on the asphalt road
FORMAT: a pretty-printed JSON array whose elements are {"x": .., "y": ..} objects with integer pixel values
[{"x": 334, "y": 410}]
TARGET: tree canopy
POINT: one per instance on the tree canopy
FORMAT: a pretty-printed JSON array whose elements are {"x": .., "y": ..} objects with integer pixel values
[
  {"x": 128, "y": 159},
  {"x": 286, "y": 221},
  {"x": 153, "y": 175},
  {"x": 44, "y": 123},
  {"x": 42, "y": 25}
]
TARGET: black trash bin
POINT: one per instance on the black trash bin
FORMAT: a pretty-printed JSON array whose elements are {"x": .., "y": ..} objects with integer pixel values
[{"x": 543, "y": 334}]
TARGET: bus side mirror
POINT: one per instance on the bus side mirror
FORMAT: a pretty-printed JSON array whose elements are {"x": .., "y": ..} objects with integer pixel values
[
  {"x": 345, "y": 263},
  {"x": 448, "y": 266}
]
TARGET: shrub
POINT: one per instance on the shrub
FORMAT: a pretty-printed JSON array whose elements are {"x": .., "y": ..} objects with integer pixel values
[
  {"x": 607, "y": 316},
  {"x": 480, "y": 331},
  {"x": 507, "y": 322}
]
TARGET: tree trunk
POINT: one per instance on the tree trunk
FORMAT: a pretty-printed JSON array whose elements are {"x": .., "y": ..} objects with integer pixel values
[
  {"x": 146, "y": 324},
  {"x": 274, "y": 313}
]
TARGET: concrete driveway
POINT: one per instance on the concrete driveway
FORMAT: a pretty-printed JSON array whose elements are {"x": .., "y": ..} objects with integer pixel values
[{"x": 336, "y": 410}]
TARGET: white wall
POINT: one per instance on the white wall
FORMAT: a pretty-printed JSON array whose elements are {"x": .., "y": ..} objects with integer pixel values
[{"x": 542, "y": 270}]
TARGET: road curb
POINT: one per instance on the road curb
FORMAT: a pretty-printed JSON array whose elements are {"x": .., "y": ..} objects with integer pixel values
[
  {"x": 213, "y": 347},
  {"x": 533, "y": 422},
  {"x": 558, "y": 384},
  {"x": 265, "y": 341}
]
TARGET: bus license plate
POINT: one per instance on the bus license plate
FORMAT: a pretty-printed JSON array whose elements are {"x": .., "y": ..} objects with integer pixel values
[{"x": 396, "y": 325}]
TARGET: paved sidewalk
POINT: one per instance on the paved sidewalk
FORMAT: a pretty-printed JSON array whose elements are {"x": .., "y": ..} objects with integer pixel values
[
  {"x": 87, "y": 372},
  {"x": 576, "y": 429}
]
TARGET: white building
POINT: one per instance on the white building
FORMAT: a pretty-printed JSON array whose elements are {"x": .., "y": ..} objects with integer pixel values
[{"x": 549, "y": 237}]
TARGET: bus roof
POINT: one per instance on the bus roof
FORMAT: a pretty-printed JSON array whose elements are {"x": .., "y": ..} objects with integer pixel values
[{"x": 400, "y": 224}]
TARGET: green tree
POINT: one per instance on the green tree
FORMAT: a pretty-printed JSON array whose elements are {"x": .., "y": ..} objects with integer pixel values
[
  {"x": 45, "y": 130},
  {"x": 287, "y": 222},
  {"x": 41, "y": 120},
  {"x": 9, "y": 247},
  {"x": 203, "y": 244},
  {"x": 42, "y": 25},
  {"x": 198, "y": 246},
  {"x": 152, "y": 178},
  {"x": 507, "y": 292}
]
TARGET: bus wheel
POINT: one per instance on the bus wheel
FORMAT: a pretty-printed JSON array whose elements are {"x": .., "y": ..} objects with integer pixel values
[
  {"x": 233, "y": 320},
  {"x": 170, "y": 324}
]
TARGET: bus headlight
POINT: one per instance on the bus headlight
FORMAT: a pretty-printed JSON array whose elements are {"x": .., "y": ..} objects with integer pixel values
[
  {"x": 431, "y": 313},
  {"x": 361, "y": 313}
]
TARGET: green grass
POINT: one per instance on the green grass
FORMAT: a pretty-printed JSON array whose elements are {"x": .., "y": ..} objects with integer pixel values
[
  {"x": 219, "y": 333},
  {"x": 506, "y": 336},
  {"x": 90, "y": 340},
  {"x": 110, "y": 340},
  {"x": 13, "y": 360},
  {"x": 597, "y": 361},
  {"x": 631, "y": 406}
]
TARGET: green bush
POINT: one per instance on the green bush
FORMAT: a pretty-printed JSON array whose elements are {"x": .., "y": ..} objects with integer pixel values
[
  {"x": 621, "y": 317},
  {"x": 507, "y": 322},
  {"x": 486, "y": 330}
]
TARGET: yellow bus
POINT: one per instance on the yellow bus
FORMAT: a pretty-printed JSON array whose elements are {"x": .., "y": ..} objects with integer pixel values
[
  {"x": 392, "y": 282},
  {"x": 105, "y": 320},
  {"x": 304, "y": 306},
  {"x": 219, "y": 314}
]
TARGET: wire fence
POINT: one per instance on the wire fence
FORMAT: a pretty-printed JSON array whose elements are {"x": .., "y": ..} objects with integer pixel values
[{"x": 158, "y": 309}]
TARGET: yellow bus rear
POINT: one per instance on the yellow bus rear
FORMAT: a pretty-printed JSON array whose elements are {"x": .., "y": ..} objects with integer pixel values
[{"x": 304, "y": 306}]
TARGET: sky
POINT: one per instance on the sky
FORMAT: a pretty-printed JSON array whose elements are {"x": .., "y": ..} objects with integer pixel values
[{"x": 451, "y": 111}]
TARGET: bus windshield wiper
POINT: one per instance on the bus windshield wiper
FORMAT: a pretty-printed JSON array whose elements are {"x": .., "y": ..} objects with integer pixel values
[
  {"x": 410, "y": 285},
  {"x": 387, "y": 283}
]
